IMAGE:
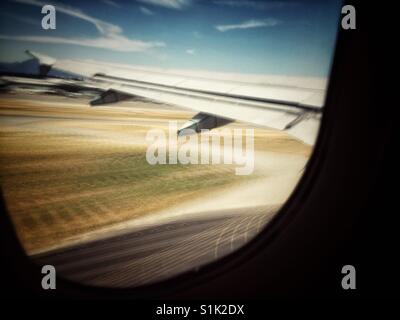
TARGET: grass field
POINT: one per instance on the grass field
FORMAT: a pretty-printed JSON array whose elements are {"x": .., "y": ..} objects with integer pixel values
[{"x": 68, "y": 169}]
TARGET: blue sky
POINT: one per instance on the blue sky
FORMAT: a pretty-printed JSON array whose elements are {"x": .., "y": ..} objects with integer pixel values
[{"x": 265, "y": 37}]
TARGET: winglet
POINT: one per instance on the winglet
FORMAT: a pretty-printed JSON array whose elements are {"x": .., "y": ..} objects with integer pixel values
[{"x": 45, "y": 62}]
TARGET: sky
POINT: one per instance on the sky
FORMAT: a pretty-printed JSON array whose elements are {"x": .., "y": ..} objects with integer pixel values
[{"x": 293, "y": 38}]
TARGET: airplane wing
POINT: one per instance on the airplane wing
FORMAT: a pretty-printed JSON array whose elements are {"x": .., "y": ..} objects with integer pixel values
[{"x": 219, "y": 99}]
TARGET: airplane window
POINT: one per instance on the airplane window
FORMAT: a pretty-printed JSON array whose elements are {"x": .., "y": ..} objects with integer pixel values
[{"x": 143, "y": 139}]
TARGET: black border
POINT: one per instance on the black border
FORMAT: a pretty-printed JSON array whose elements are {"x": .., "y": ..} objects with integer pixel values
[{"x": 337, "y": 215}]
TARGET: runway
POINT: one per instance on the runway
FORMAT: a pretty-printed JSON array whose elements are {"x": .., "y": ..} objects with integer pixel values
[{"x": 158, "y": 252}]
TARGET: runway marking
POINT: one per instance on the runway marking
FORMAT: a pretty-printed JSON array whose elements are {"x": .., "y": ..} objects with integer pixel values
[
  {"x": 219, "y": 239},
  {"x": 118, "y": 263},
  {"x": 259, "y": 224},
  {"x": 247, "y": 227},
  {"x": 234, "y": 232}
]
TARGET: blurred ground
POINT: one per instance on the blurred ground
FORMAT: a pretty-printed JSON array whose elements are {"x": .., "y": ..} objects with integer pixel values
[{"x": 70, "y": 172}]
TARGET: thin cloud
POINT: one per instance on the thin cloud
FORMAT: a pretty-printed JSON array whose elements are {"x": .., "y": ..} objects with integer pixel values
[
  {"x": 191, "y": 51},
  {"x": 171, "y": 4},
  {"x": 116, "y": 43},
  {"x": 111, "y": 3},
  {"x": 248, "y": 24},
  {"x": 146, "y": 11},
  {"x": 33, "y": 22},
  {"x": 255, "y": 4},
  {"x": 102, "y": 26},
  {"x": 111, "y": 35},
  {"x": 197, "y": 35}
]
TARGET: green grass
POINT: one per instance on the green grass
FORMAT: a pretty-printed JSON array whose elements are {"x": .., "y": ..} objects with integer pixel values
[{"x": 59, "y": 186}]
